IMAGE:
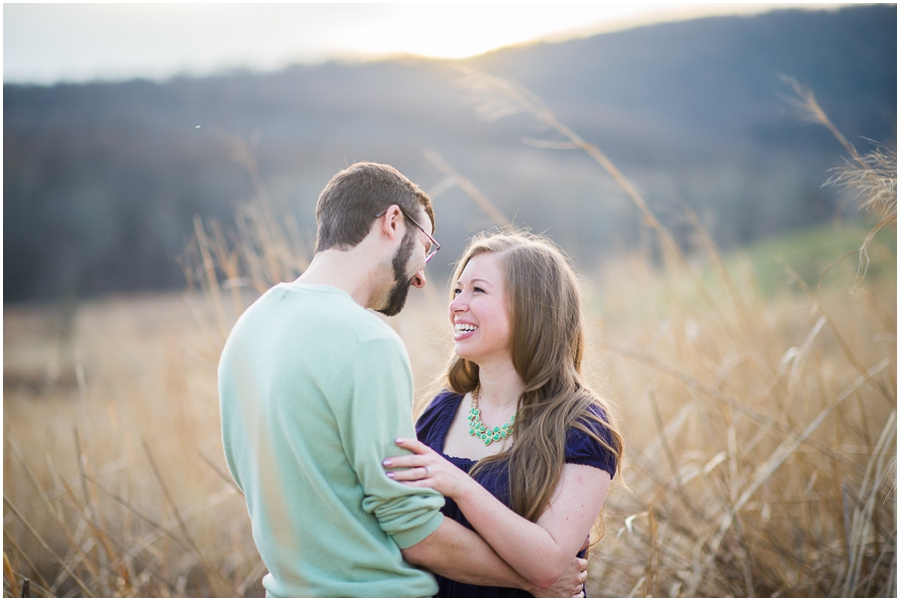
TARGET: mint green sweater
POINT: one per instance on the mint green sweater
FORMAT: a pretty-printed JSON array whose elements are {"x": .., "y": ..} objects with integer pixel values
[{"x": 313, "y": 391}]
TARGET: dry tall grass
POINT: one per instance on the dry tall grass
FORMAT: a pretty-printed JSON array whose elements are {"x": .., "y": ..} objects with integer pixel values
[
  {"x": 763, "y": 445},
  {"x": 761, "y": 435},
  {"x": 106, "y": 489}
]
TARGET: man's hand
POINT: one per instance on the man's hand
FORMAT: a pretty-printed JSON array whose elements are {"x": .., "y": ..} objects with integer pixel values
[{"x": 570, "y": 584}]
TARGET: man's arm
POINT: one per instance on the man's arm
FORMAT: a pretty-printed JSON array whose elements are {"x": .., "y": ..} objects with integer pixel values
[
  {"x": 460, "y": 554},
  {"x": 457, "y": 553}
]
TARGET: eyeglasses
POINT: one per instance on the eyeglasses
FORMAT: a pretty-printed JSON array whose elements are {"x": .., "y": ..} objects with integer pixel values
[{"x": 432, "y": 248}]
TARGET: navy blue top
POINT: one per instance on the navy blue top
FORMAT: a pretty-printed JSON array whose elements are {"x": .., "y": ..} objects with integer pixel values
[{"x": 431, "y": 429}]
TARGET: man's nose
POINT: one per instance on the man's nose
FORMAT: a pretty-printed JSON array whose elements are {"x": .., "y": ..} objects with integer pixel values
[{"x": 418, "y": 280}]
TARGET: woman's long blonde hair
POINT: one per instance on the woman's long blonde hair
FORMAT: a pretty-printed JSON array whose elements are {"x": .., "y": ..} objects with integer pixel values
[{"x": 548, "y": 340}]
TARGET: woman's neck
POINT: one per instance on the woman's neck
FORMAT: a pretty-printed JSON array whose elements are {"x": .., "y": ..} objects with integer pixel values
[{"x": 500, "y": 386}]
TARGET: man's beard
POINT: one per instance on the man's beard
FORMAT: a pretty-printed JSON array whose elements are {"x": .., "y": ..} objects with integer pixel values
[{"x": 402, "y": 282}]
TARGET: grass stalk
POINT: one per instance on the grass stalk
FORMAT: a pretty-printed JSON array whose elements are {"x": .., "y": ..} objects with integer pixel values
[
  {"x": 11, "y": 579},
  {"x": 471, "y": 189},
  {"x": 181, "y": 524},
  {"x": 209, "y": 280},
  {"x": 21, "y": 554},
  {"x": 43, "y": 543}
]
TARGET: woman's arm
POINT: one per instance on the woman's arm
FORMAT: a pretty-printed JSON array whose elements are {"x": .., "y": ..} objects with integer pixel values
[
  {"x": 460, "y": 554},
  {"x": 538, "y": 551}
]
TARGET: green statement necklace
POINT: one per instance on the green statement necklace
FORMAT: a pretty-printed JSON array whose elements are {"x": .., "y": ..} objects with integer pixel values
[{"x": 477, "y": 428}]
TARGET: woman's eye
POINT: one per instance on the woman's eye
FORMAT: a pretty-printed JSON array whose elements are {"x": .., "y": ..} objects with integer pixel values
[
  {"x": 477, "y": 289},
  {"x": 456, "y": 291}
]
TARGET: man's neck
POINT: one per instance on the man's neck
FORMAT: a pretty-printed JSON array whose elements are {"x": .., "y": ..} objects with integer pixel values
[{"x": 351, "y": 271}]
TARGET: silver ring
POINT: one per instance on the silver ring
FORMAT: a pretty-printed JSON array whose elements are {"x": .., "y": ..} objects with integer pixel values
[{"x": 427, "y": 475}]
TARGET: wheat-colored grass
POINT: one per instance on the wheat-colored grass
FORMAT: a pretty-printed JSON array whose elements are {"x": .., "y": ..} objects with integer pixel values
[{"x": 760, "y": 434}]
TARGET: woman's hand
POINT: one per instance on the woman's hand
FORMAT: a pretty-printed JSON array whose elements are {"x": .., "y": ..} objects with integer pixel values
[{"x": 426, "y": 468}]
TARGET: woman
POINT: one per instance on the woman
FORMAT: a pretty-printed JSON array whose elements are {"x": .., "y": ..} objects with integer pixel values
[{"x": 536, "y": 484}]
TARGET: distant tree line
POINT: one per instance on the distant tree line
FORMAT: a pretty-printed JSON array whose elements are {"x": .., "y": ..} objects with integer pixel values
[{"x": 102, "y": 180}]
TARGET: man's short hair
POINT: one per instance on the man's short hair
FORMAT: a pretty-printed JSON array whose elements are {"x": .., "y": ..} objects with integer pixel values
[{"x": 351, "y": 200}]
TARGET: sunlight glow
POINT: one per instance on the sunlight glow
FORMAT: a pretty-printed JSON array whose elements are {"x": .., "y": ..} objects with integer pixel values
[
  {"x": 445, "y": 31},
  {"x": 43, "y": 43},
  {"x": 460, "y": 31}
]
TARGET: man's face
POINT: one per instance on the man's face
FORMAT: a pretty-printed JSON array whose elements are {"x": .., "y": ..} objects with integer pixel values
[{"x": 402, "y": 281}]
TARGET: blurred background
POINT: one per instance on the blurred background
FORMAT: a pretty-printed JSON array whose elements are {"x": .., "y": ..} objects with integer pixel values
[
  {"x": 161, "y": 165},
  {"x": 112, "y": 143}
]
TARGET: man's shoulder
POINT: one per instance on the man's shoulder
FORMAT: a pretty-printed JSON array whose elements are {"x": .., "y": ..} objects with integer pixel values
[{"x": 334, "y": 313}]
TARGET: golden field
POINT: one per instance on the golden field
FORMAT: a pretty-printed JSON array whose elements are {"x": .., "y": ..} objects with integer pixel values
[
  {"x": 757, "y": 395},
  {"x": 761, "y": 438}
]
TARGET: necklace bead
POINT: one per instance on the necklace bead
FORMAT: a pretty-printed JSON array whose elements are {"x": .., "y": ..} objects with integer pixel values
[{"x": 477, "y": 427}]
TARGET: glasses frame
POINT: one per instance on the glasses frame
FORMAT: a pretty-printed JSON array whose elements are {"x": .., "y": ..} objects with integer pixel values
[{"x": 436, "y": 245}]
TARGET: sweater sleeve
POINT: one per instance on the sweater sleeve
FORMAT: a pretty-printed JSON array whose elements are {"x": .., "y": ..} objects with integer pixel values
[{"x": 379, "y": 392}]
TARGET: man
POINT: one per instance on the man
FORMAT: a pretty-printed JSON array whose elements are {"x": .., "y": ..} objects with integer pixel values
[{"x": 314, "y": 389}]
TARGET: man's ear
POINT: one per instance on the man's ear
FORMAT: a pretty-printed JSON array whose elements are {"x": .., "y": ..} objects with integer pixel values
[{"x": 390, "y": 221}]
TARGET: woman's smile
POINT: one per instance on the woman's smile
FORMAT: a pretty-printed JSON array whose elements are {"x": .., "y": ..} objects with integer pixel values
[{"x": 463, "y": 330}]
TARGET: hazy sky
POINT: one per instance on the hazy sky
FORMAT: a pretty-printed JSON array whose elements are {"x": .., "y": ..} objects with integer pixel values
[{"x": 45, "y": 43}]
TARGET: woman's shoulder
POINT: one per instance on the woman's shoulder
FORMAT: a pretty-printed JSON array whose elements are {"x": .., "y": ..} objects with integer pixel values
[
  {"x": 445, "y": 400},
  {"x": 437, "y": 417},
  {"x": 583, "y": 441}
]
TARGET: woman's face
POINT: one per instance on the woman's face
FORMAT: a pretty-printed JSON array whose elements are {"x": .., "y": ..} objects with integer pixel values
[{"x": 479, "y": 312}]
